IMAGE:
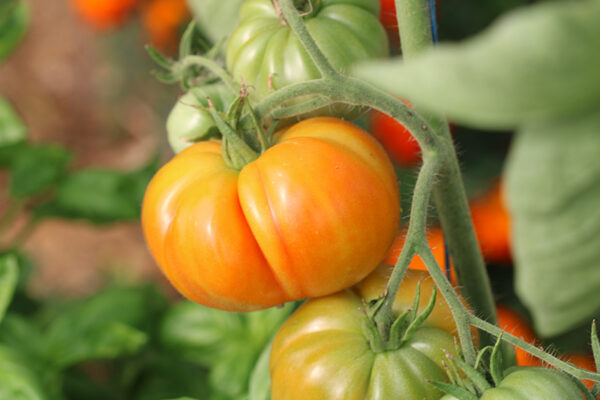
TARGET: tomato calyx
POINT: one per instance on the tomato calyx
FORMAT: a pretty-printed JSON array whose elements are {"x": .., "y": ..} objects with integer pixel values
[{"x": 394, "y": 331}]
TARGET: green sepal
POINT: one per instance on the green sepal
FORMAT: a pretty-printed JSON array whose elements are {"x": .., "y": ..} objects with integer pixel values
[
  {"x": 496, "y": 362},
  {"x": 158, "y": 58},
  {"x": 476, "y": 377}
]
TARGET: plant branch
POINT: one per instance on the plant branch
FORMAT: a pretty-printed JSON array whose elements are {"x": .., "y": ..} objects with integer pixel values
[
  {"x": 449, "y": 194},
  {"x": 533, "y": 350},
  {"x": 212, "y": 66},
  {"x": 459, "y": 312}
]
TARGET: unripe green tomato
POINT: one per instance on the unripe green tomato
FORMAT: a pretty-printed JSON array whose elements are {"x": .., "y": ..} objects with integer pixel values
[
  {"x": 532, "y": 383},
  {"x": 265, "y": 53},
  {"x": 189, "y": 123}
]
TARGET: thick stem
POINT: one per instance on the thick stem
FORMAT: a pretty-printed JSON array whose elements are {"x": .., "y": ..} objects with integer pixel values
[{"x": 449, "y": 194}]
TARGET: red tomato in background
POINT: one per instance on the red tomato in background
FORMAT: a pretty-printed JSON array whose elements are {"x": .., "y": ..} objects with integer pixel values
[
  {"x": 104, "y": 14},
  {"x": 396, "y": 139}
]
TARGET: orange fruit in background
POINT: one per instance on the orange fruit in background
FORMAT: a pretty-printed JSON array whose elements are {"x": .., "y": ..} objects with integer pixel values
[
  {"x": 492, "y": 225},
  {"x": 163, "y": 20},
  {"x": 104, "y": 14}
]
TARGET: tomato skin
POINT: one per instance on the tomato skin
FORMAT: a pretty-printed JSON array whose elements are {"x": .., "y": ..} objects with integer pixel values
[
  {"x": 266, "y": 54},
  {"x": 285, "y": 227},
  {"x": 396, "y": 139},
  {"x": 321, "y": 352},
  {"x": 532, "y": 383},
  {"x": 187, "y": 123},
  {"x": 104, "y": 14}
]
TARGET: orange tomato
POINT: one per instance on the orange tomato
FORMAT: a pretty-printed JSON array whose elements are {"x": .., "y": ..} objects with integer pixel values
[
  {"x": 314, "y": 214},
  {"x": 492, "y": 225},
  {"x": 104, "y": 14},
  {"x": 163, "y": 19}
]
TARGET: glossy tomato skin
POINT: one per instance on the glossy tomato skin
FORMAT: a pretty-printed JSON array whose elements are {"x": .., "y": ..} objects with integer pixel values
[
  {"x": 532, "y": 383},
  {"x": 396, "y": 139},
  {"x": 189, "y": 123},
  {"x": 321, "y": 352},
  {"x": 265, "y": 53},
  {"x": 312, "y": 215},
  {"x": 104, "y": 14}
]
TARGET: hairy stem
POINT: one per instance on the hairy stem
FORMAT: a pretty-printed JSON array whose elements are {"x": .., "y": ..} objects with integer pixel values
[
  {"x": 449, "y": 194},
  {"x": 212, "y": 66}
]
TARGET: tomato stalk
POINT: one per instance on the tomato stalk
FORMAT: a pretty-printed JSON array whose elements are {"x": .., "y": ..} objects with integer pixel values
[{"x": 414, "y": 22}]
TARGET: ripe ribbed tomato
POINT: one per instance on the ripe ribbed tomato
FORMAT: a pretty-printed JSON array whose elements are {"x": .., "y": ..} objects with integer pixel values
[
  {"x": 104, "y": 14},
  {"x": 532, "y": 383},
  {"x": 312, "y": 215},
  {"x": 322, "y": 352},
  {"x": 265, "y": 53}
]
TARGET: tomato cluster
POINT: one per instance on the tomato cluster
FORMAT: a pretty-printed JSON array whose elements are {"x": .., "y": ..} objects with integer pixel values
[{"x": 241, "y": 221}]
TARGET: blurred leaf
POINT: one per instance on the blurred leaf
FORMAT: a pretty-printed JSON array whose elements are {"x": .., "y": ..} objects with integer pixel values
[
  {"x": 228, "y": 343},
  {"x": 21, "y": 335},
  {"x": 206, "y": 12},
  {"x": 197, "y": 332},
  {"x": 14, "y": 20},
  {"x": 12, "y": 129},
  {"x": 260, "y": 380},
  {"x": 17, "y": 381},
  {"x": 99, "y": 195},
  {"x": 9, "y": 276},
  {"x": 170, "y": 377},
  {"x": 104, "y": 326},
  {"x": 536, "y": 63},
  {"x": 37, "y": 168},
  {"x": 553, "y": 183}
]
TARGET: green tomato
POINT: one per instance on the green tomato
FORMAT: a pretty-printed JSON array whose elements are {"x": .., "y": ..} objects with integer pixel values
[
  {"x": 322, "y": 353},
  {"x": 265, "y": 53},
  {"x": 532, "y": 383},
  {"x": 188, "y": 122}
]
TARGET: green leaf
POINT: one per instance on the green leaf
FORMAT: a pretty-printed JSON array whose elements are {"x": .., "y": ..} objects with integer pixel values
[
  {"x": 37, "y": 168},
  {"x": 553, "y": 185},
  {"x": 108, "y": 325},
  {"x": 260, "y": 380},
  {"x": 12, "y": 129},
  {"x": 17, "y": 380},
  {"x": 535, "y": 63},
  {"x": 20, "y": 334},
  {"x": 206, "y": 12},
  {"x": 99, "y": 195},
  {"x": 9, "y": 277},
  {"x": 14, "y": 20}
]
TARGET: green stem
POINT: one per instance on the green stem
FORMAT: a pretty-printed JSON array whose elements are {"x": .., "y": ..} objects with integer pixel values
[
  {"x": 211, "y": 65},
  {"x": 459, "y": 312},
  {"x": 533, "y": 350},
  {"x": 415, "y": 236},
  {"x": 449, "y": 194},
  {"x": 294, "y": 20}
]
